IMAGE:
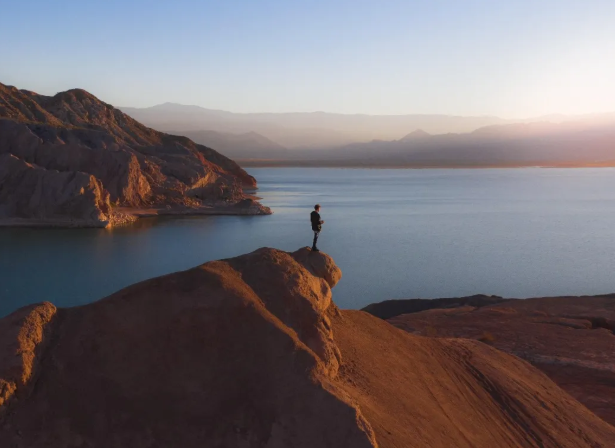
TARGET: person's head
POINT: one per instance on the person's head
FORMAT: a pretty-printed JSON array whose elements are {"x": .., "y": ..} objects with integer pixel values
[{"x": 317, "y": 207}]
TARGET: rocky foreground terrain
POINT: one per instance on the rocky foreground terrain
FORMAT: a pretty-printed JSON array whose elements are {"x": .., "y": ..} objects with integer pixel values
[
  {"x": 252, "y": 352},
  {"x": 569, "y": 338},
  {"x": 73, "y": 160}
]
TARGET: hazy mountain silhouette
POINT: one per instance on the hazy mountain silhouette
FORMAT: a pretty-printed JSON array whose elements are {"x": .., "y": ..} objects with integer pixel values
[
  {"x": 568, "y": 143},
  {"x": 437, "y": 140},
  {"x": 249, "y": 145},
  {"x": 419, "y": 134},
  {"x": 304, "y": 130}
]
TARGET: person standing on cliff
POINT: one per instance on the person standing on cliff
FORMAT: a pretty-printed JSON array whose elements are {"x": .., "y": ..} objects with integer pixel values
[{"x": 316, "y": 225}]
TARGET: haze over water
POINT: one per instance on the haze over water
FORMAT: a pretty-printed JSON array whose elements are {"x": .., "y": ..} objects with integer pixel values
[{"x": 394, "y": 233}]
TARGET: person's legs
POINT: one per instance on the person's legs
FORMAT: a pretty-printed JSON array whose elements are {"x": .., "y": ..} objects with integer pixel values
[{"x": 316, "y": 233}]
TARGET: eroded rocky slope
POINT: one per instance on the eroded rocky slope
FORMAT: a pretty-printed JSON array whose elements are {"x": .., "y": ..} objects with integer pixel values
[
  {"x": 74, "y": 132},
  {"x": 570, "y": 339},
  {"x": 252, "y": 352}
]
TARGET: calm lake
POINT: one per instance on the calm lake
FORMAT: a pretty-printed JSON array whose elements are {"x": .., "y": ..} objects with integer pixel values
[{"x": 394, "y": 233}]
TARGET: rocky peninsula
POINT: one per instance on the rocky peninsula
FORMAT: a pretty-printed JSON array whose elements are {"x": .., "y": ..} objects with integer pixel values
[
  {"x": 72, "y": 160},
  {"x": 252, "y": 352}
]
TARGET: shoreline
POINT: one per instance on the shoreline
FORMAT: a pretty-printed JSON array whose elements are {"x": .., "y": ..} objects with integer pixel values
[
  {"x": 252, "y": 163},
  {"x": 49, "y": 223},
  {"x": 234, "y": 210},
  {"x": 129, "y": 215}
]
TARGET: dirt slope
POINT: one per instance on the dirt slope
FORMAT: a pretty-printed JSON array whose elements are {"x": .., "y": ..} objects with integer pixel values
[
  {"x": 252, "y": 352},
  {"x": 570, "y": 339}
]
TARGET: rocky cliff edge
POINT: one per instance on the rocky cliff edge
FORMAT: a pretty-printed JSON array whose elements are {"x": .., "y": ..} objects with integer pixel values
[{"x": 252, "y": 352}]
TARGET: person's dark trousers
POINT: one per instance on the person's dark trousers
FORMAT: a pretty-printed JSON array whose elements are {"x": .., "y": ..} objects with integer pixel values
[{"x": 316, "y": 233}]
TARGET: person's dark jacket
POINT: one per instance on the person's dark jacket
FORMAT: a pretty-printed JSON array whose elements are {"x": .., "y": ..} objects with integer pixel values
[{"x": 316, "y": 222}]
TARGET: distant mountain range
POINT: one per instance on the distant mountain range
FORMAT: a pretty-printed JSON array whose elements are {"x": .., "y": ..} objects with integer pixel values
[
  {"x": 410, "y": 140},
  {"x": 579, "y": 143},
  {"x": 238, "y": 146},
  {"x": 303, "y": 130}
]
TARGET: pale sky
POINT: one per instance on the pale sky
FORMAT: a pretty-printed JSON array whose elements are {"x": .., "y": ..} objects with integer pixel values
[{"x": 513, "y": 59}]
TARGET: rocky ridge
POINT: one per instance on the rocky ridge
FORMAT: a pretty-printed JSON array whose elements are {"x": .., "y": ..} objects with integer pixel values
[
  {"x": 75, "y": 134},
  {"x": 571, "y": 339},
  {"x": 252, "y": 352}
]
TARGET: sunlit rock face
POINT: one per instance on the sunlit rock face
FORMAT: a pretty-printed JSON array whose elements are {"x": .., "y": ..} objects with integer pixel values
[
  {"x": 73, "y": 132},
  {"x": 252, "y": 352}
]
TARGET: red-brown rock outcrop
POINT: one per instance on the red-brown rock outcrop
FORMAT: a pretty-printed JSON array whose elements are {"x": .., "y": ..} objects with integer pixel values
[
  {"x": 252, "y": 352},
  {"x": 569, "y": 338},
  {"x": 67, "y": 198},
  {"x": 74, "y": 132}
]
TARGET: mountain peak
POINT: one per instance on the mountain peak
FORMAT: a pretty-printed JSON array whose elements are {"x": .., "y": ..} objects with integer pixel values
[{"x": 414, "y": 135}]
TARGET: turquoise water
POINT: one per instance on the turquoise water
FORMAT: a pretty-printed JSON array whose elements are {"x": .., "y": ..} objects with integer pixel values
[{"x": 394, "y": 233}]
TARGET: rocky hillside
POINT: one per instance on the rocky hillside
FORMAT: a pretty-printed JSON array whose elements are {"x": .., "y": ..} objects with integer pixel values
[
  {"x": 74, "y": 134},
  {"x": 571, "y": 339},
  {"x": 252, "y": 352}
]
